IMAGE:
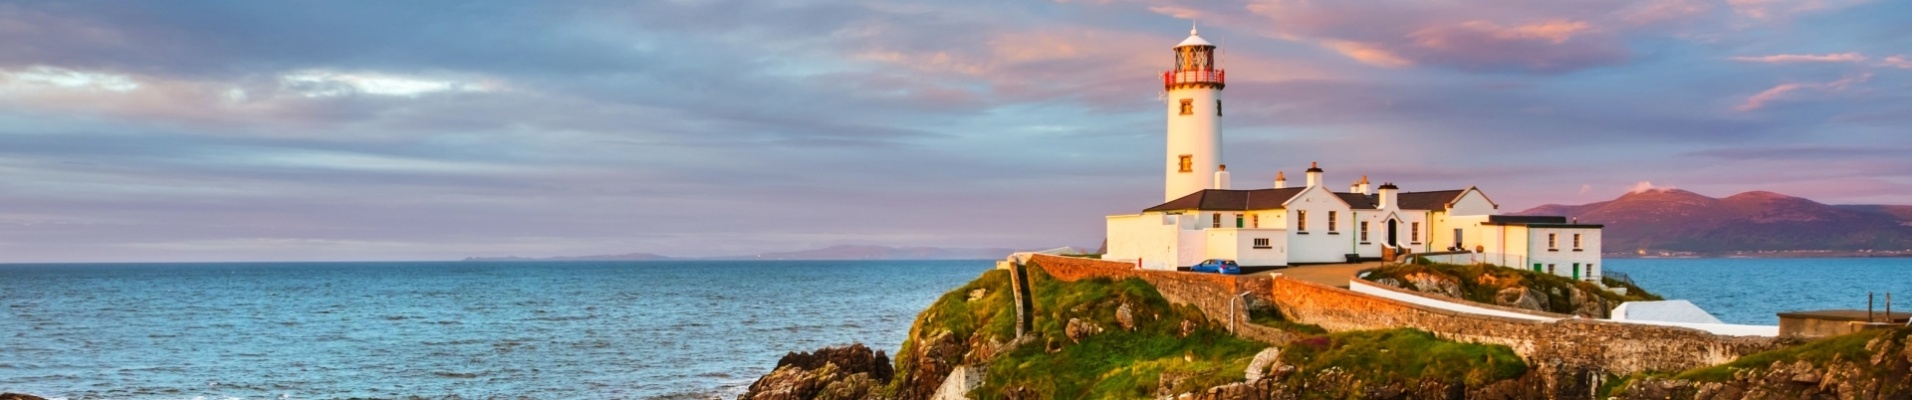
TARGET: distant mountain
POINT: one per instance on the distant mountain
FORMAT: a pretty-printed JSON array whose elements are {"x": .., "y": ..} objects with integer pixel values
[
  {"x": 613, "y": 257},
  {"x": 850, "y": 252},
  {"x": 1679, "y": 220},
  {"x": 845, "y": 252}
]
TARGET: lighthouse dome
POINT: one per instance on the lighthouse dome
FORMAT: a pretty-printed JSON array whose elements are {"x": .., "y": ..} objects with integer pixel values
[{"x": 1194, "y": 40}]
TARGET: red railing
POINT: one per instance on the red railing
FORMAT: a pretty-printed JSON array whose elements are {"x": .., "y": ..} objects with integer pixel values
[{"x": 1174, "y": 78}]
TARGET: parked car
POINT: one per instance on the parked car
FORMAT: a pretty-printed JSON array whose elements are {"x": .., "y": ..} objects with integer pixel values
[{"x": 1219, "y": 266}]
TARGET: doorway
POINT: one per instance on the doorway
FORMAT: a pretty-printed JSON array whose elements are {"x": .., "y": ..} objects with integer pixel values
[{"x": 1393, "y": 229}]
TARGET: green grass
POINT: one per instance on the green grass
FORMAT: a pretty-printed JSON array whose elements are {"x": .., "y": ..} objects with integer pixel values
[
  {"x": 1115, "y": 363},
  {"x": 1405, "y": 355},
  {"x": 1849, "y": 347},
  {"x": 1271, "y": 317}
]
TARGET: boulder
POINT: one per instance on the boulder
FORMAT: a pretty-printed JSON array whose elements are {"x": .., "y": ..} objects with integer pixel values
[
  {"x": 1522, "y": 298},
  {"x": 1435, "y": 284},
  {"x": 850, "y": 372},
  {"x": 1261, "y": 365},
  {"x": 17, "y": 396},
  {"x": 1077, "y": 329},
  {"x": 1125, "y": 316}
]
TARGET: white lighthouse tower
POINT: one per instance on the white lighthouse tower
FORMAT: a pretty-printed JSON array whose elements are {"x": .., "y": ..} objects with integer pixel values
[{"x": 1194, "y": 96}]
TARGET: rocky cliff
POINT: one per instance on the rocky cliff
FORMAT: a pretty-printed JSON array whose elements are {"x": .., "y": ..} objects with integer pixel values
[{"x": 1865, "y": 365}]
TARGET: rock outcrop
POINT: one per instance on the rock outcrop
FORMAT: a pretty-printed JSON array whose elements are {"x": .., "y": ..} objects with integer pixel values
[
  {"x": 851, "y": 372},
  {"x": 1882, "y": 371},
  {"x": 17, "y": 396}
]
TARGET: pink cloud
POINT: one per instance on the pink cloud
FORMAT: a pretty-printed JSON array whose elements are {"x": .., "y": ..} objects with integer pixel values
[
  {"x": 1367, "y": 53},
  {"x": 1758, "y": 101},
  {"x": 1897, "y": 62},
  {"x": 1797, "y": 58},
  {"x": 1779, "y": 9}
]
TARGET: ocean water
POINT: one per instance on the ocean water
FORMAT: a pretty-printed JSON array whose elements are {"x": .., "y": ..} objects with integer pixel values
[
  {"x": 578, "y": 330},
  {"x": 1754, "y": 290},
  {"x": 547, "y": 330}
]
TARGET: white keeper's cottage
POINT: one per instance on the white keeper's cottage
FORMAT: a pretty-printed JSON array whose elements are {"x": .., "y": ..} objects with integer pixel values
[{"x": 1202, "y": 218}]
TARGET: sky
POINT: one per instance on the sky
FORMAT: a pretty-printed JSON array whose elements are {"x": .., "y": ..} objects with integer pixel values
[{"x": 426, "y": 130}]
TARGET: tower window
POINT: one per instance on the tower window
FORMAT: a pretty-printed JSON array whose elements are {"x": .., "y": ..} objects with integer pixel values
[
  {"x": 1188, "y": 106},
  {"x": 1218, "y": 108},
  {"x": 1188, "y": 163}
]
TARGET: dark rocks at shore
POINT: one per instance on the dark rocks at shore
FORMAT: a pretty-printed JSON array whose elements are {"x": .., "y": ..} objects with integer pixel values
[
  {"x": 850, "y": 372},
  {"x": 17, "y": 396}
]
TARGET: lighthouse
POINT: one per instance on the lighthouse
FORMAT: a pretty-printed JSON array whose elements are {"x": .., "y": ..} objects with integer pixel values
[{"x": 1194, "y": 96}]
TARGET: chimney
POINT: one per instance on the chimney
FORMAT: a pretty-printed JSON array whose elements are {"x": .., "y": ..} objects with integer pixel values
[
  {"x": 1364, "y": 186},
  {"x": 1314, "y": 174},
  {"x": 1221, "y": 177},
  {"x": 1387, "y": 197},
  {"x": 1281, "y": 180},
  {"x": 1354, "y": 187}
]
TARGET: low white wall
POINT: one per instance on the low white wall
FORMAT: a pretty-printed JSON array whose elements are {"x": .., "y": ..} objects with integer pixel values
[{"x": 1363, "y": 287}]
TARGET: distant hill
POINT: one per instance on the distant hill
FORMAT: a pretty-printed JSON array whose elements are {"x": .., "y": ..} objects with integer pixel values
[
  {"x": 850, "y": 252},
  {"x": 1679, "y": 220},
  {"x": 844, "y": 252},
  {"x": 613, "y": 257}
]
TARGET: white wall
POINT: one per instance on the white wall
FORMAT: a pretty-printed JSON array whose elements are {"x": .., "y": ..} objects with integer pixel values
[
  {"x": 1564, "y": 256},
  {"x": 1238, "y": 245},
  {"x": 1472, "y": 202},
  {"x": 1319, "y": 243},
  {"x": 1198, "y": 134}
]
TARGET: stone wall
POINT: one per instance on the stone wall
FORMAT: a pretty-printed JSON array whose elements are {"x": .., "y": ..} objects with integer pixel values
[
  {"x": 1581, "y": 344},
  {"x": 1600, "y": 345}
]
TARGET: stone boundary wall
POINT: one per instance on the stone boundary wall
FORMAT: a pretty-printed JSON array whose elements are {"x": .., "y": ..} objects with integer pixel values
[
  {"x": 1211, "y": 293},
  {"x": 1612, "y": 347}
]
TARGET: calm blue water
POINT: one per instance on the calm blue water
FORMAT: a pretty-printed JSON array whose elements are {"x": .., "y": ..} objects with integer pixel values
[
  {"x": 687, "y": 330},
  {"x": 1753, "y": 291},
  {"x": 476, "y": 330}
]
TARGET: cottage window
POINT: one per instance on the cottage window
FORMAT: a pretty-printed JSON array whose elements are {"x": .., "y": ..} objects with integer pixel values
[
  {"x": 1188, "y": 106},
  {"x": 1414, "y": 233},
  {"x": 1576, "y": 241},
  {"x": 1552, "y": 270},
  {"x": 1218, "y": 221},
  {"x": 1187, "y": 163},
  {"x": 1301, "y": 220},
  {"x": 1364, "y": 231},
  {"x": 1254, "y": 220},
  {"x": 1238, "y": 221},
  {"x": 1262, "y": 243},
  {"x": 1551, "y": 242},
  {"x": 1332, "y": 221}
]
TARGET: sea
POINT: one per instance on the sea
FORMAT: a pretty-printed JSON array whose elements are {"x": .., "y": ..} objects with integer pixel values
[{"x": 576, "y": 329}]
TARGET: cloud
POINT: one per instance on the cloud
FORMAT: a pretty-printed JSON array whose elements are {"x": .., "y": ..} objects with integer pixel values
[
  {"x": 1784, "y": 90},
  {"x": 45, "y": 77},
  {"x": 1796, "y": 58},
  {"x": 323, "y": 83},
  {"x": 1779, "y": 9}
]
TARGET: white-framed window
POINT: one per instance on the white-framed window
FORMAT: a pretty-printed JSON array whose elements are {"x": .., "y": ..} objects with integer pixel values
[
  {"x": 1364, "y": 231},
  {"x": 1414, "y": 232},
  {"x": 1553, "y": 241},
  {"x": 1301, "y": 220},
  {"x": 1333, "y": 221},
  {"x": 1576, "y": 241},
  {"x": 1262, "y": 243},
  {"x": 1217, "y": 221}
]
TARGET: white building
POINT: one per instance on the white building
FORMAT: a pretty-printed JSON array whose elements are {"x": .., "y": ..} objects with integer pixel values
[{"x": 1202, "y": 218}]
